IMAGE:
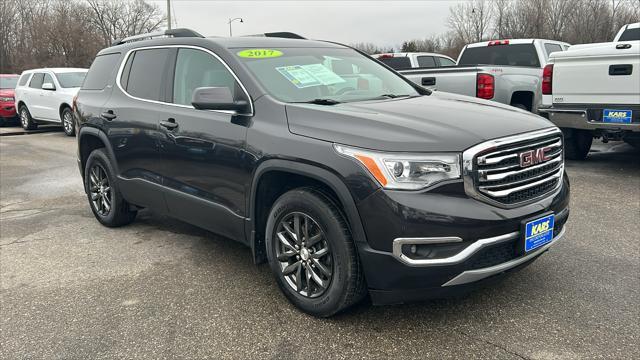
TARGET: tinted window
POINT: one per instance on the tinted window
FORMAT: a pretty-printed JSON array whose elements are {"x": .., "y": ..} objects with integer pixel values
[
  {"x": 48, "y": 79},
  {"x": 194, "y": 69},
  {"x": 550, "y": 48},
  {"x": 100, "y": 72},
  {"x": 446, "y": 62},
  {"x": 397, "y": 62},
  {"x": 71, "y": 79},
  {"x": 36, "y": 81},
  {"x": 510, "y": 55},
  {"x": 146, "y": 78},
  {"x": 23, "y": 79},
  {"x": 630, "y": 34},
  {"x": 426, "y": 61},
  {"x": 8, "y": 82}
]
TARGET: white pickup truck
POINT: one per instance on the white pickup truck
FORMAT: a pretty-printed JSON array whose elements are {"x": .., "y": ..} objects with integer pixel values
[
  {"x": 506, "y": 71},
  {"x": 593, "y": 90}
]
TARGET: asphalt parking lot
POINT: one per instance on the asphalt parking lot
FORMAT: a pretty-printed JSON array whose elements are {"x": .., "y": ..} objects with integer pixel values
[{"x": 159, "y": 288}]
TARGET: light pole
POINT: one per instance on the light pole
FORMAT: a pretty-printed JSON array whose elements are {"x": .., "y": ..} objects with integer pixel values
[
  {"x": 230, "y": 21},
  {"x": 169, "y": 14}
]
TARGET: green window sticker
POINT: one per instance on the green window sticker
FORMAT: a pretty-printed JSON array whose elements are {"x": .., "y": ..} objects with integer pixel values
[{"x": 260, "y": 53}]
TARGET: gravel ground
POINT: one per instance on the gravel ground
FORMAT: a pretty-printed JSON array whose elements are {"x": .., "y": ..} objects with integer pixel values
[{"x": 160, "y": 288}]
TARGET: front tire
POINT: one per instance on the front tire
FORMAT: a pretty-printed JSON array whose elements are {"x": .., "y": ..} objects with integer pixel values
[
  {"x": 312, "y": 254},
  {"x": 68, "y": 123},
  {"x": 577, "y": 143},
  {"x": 26, "y": 120},
  {"x": 105, "y": 199}
]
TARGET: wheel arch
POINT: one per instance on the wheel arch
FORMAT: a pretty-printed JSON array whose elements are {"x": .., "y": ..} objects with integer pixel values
[
  {"x": 297, "y": 175},
  {"x": 89, "y": 139},
  {"x": 63, "y": 106},
  {"x": 525, "y": 98}
]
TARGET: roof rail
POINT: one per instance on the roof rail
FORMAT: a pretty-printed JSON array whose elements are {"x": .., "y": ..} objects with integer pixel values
[
  {"x": 167, "y": 33},
  {"x": 281, "y": 34}
]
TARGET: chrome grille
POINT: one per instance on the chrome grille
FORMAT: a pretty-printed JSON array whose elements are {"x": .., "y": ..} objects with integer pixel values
[{"x": 493, "y": 173}]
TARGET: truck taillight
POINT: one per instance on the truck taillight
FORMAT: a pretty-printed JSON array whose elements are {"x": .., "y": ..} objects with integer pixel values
[
  {"x": 547, "y": 80},
  {"x": 485, "y": 86},
  {"x": 498, "y": 42}
]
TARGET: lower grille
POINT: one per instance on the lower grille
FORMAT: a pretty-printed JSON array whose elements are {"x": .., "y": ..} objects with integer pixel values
[{"x": 515, "y": 170}]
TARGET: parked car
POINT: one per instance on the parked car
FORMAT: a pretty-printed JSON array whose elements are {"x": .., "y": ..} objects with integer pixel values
[
  {"x": 346, "y": 186},
  {"x": 593, "y": 90},
  {"x": 409, "y": 60},
  {"x": 506, "y": 71},
  {"x": 46, "y": 96},
  {"x": 8, "y": 84}
]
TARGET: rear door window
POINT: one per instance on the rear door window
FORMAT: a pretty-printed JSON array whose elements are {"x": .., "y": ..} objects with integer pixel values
[
  {"x": 36, "y": 81},
  {"x": 397, "y": 63},
  {"x": 426, "y": 62},
  {"x": 508, "y": 55},
  {"x": 147, "y": 76},
  {"x": 101, "y": 70}
]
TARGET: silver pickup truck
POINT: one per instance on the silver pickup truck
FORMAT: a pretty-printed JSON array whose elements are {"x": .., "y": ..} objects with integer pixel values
[{"x": 506, "y": 71}]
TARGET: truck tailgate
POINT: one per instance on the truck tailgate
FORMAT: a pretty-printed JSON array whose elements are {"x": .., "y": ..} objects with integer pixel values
[
  {"x": 607, "y": 73},
  {"x": 459, "y": 80}
]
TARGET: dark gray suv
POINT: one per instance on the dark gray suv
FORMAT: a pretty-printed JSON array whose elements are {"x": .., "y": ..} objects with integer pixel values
[{"x": 347, "y": 178}]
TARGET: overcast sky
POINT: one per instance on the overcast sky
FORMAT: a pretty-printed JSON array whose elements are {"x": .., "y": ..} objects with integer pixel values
[{"x": 385, "y": 23}]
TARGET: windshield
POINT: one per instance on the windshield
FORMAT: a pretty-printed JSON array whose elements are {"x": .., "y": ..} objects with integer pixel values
[
  {"x": 309, "y": 74},
  {"x": 513, "y": 55},
  {"x": 71, "y": 79},
  {"x": 8, "y": 82}
]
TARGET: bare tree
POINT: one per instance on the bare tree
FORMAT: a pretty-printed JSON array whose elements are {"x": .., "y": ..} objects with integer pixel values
[
  {"x": 368, "y": 48},
  {"x": 471, "y": 21},
  {"x": 121, "y": 18}
]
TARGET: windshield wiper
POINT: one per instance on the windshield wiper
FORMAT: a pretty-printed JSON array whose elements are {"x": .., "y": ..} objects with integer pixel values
[
  {"x": 320, "y": 102},
  {"x": 393, "y": 96}
]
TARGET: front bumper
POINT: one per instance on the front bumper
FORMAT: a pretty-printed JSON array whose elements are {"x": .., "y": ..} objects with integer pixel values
[
  {"x": 8, "y": 111},
  {"x": 474, "y": 242},
  {"x": 589, "y": 118}
]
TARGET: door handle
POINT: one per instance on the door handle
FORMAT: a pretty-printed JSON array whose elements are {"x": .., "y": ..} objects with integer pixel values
[
  {"x": 428, "y": 81},
  {"x": 623, "y": 46},
  {"x": 169, "y": 124},
  {"x": 108, "y": 115},
  {"x": 620, "y": 69}
]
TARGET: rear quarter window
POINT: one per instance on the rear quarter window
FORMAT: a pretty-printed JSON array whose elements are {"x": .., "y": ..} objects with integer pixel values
[
  {"x": 101, "y": 71},
  {"x": 23, "y": 79}
]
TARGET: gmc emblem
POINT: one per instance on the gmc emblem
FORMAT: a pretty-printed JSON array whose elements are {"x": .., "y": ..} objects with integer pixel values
[{"x": 533, "y": 157}]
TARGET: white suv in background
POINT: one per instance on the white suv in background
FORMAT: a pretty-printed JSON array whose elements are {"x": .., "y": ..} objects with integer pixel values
[{"x": 46, "y": 95}]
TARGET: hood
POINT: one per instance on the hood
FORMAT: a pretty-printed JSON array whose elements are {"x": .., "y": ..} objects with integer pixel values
[
  {"x": 7, "y": 92},
  {"x": 438, "y": 122}
]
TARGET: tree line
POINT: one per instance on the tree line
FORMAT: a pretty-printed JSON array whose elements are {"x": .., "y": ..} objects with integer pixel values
[
  {"x": 68, "y": 33},
  {"x": 572, "y": 21}
]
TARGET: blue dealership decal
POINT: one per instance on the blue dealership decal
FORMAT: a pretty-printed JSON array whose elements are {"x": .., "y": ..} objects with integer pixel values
[
  {"x": 538, "y": 232},
  {"x": 616, "y": 116}
]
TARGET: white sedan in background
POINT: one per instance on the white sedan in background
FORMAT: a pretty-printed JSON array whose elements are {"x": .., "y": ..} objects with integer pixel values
[{"x": 46, "y": 96}]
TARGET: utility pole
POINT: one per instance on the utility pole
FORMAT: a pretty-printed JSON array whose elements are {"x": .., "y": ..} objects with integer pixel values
[{"x": 168, "y": 14}]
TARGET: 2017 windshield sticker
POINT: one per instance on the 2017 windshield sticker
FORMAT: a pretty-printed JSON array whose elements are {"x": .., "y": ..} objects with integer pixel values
[
  {"x": 260, "y": 53},
  {"x": 303, "y": 76}
]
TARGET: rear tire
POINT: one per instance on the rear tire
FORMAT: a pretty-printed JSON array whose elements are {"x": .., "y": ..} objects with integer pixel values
[
  {"x": 103, "y": 193},
  {"x": 68, "y": 123},
  {"x": 26, "y": 120},
  {"x": 577, "y": 143},
  {"x": 320, "y": 285}
]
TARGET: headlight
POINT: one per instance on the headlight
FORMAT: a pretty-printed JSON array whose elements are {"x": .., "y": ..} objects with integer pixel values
[
  {"x": 405, "y": 171},
  {"x": 7, "y": 99}
]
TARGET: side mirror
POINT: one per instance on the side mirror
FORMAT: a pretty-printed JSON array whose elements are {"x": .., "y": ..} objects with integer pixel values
[
  {"x": 217, "y": 98},
  {"x": 48, "y": 86}
]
